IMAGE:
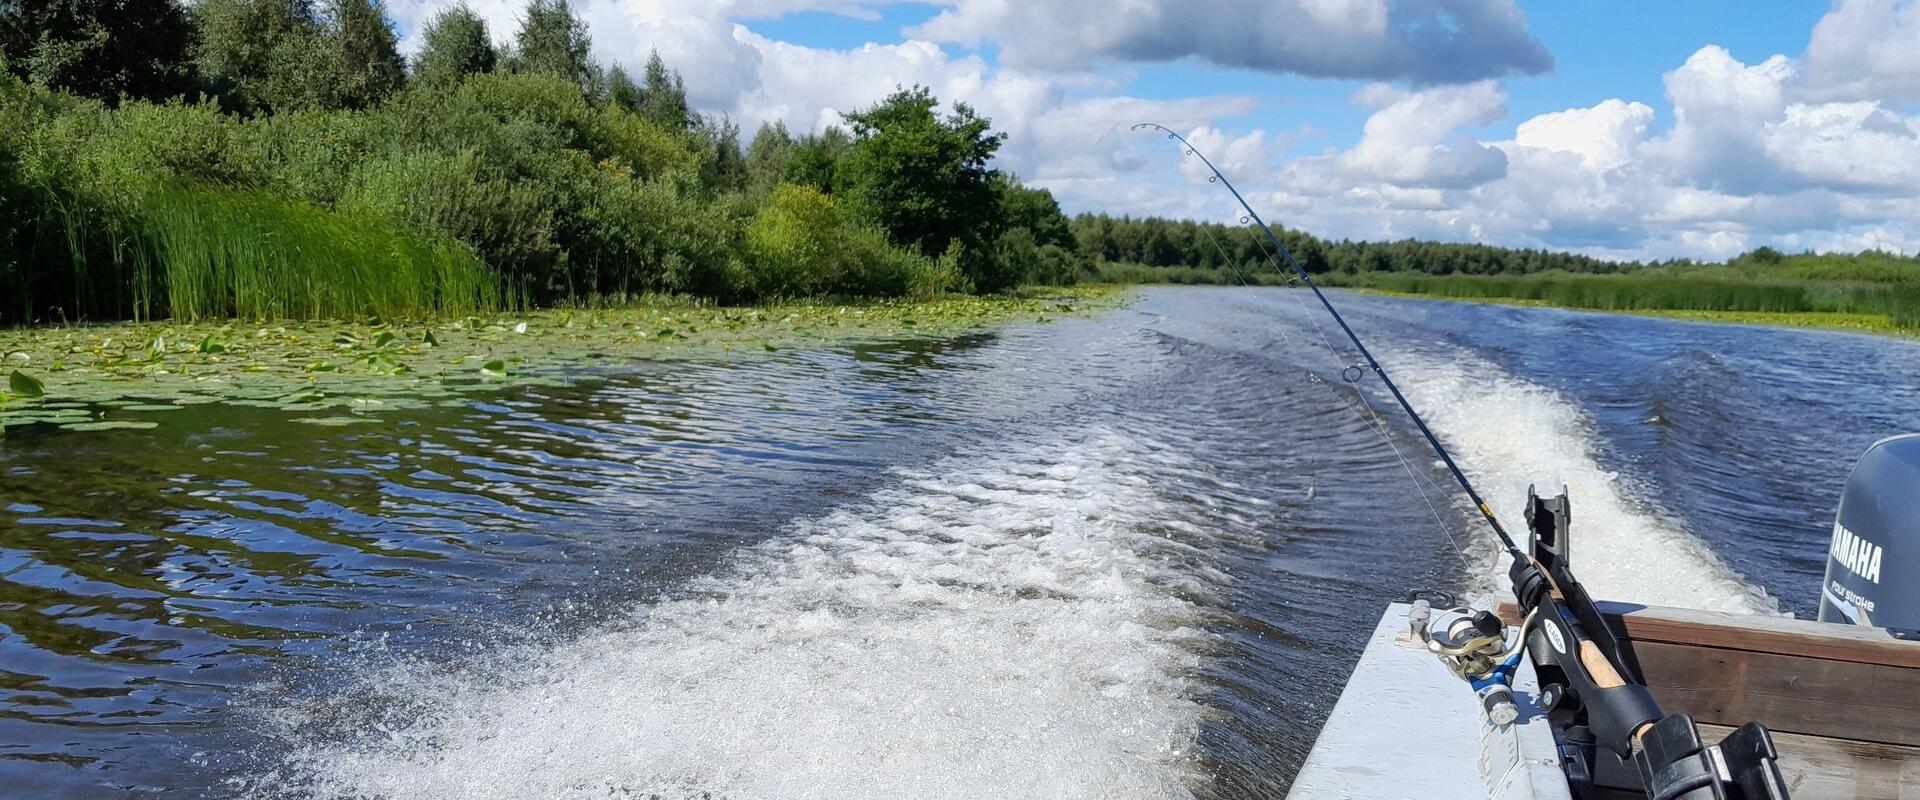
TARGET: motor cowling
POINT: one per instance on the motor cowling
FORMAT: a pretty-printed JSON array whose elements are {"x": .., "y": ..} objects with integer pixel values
[{"x": 1873, "y": 560}]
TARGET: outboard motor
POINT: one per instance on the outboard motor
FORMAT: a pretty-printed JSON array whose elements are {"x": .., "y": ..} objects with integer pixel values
[{"x": 1873, "y": 563}]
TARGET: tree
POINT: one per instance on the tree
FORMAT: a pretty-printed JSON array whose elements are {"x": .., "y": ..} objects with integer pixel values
[
  {"x": 1037, "y": 211},
  {"x": 727, "y": 171},
  {"x": 923, "y": 178},
  {"x": 622, "y": 92},
  {"x": 767, "y": 157},
  {"x": 260, "y": 54},
  {"x": 663, "y": 96},
  {"x": 815, "y": 160},
  {"x": 363, "y": 55},
  {"x": 456, "y": 44},
  {"x": 99, "y": 48},
  {"x": 553, "y": 40}
]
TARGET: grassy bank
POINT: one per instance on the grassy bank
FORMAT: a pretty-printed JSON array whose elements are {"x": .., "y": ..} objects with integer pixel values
[
  {"x": 1709, "y": 293},
  {"x": 1822, "y": 320},
  {"x": 120, "y": 375},
  {"x": 1872, "y": 292}
]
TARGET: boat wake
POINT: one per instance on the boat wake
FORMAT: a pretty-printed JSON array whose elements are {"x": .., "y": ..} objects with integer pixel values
[
  {"x": 1007, "y": 624},
  {"x": 1508, "y": 433}
]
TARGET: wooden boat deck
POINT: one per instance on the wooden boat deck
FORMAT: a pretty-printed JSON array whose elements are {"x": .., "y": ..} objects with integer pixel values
[{"x": 1843, "y": 701}]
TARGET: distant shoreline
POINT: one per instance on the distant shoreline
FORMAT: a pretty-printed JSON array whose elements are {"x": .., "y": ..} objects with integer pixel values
[
  {"x": 1860, "y": 294},
  {"x": 1876, "y": 324}
]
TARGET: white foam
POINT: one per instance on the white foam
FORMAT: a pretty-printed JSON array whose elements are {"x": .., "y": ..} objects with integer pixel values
[
  {"x": 999, "y": 627},
  {"x": 1508, "y": 433}
]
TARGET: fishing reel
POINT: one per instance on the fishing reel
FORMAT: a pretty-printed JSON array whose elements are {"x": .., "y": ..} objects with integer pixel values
[{"x": 1475, "y": 647}]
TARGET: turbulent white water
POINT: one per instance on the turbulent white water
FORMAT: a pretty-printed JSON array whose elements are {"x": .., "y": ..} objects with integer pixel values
[
  {"x": 1508, "y": 433},
  {"x": 1002, "y": 626},
  {"x": 1015, "y": 621}
]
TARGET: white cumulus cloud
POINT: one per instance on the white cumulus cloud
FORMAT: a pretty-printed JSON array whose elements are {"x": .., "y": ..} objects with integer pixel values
[
  {"x": 1423, "y": 41},
  {"x": 1865, "y": 49}
]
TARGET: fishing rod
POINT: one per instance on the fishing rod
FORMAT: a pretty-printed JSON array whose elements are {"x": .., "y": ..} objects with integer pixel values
[
  {"x": 1433, "y": 441},
  {"x": 1588, "y": 687}
]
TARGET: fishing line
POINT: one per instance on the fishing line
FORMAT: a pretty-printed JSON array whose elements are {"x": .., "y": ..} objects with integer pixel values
[
  {"x": 1370, "y": 416},
  {"x": 1446, "y": 458}
]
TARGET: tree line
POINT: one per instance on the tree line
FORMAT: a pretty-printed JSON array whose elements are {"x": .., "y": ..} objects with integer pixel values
[
  {"x": 161, "y": 159},
  {"x": 1164, "y": 243}
]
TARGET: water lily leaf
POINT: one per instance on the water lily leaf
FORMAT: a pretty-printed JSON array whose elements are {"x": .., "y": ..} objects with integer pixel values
[
  {"x": 321, "y": 366},
  {"x": 494, "y": 369},
  {"x": 25, "y": 385},
  {"x": 153, "y": 407},
  {"x": 334, "y": 422},
  {"x": 111, "y": 425},
  {"x": 770, "y": 348},
  {"x": 208, "y": 345},
  {"x": 385, "y": 338},
  {"x": 431, "y": 340},
  {"x": 34, "y": 415}
]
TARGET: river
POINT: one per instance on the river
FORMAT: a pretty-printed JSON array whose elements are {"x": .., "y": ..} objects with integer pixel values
[{"x": 1129, "y": 555}]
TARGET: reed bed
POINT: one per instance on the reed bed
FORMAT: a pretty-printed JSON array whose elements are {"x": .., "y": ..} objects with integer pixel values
[{"x": 221, "y": 253}]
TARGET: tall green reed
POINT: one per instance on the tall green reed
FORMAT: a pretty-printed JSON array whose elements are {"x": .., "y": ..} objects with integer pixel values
[{"x": 224, "y": 253}]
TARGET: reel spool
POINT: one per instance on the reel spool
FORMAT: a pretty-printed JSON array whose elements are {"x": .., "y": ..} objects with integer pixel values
[{"x": 1474, "y": 645}]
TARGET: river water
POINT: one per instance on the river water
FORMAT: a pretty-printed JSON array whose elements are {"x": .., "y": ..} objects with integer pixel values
[{"x": 1130, "y": 555}]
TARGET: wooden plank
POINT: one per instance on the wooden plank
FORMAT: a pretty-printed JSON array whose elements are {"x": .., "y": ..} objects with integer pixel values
[
  {"x": 1837, "y": 769},
  {"x": 1816, "y": 696},
  {"x": 1765, "y": 634}
]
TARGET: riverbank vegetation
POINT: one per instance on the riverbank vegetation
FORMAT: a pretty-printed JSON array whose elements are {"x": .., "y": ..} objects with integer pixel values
[
  {"x": 1873, "y": 291},
  {"x": 277, "y": 159},
  {"x": 280, "y": 160}
]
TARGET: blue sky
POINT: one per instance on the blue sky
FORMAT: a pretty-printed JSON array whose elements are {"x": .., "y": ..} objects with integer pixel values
[
  {"x": 1633, "y": 129},
  {"x": 1600, "y": 50}
]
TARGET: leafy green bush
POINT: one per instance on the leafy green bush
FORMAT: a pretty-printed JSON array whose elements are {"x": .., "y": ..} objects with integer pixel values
[
  {"x": 635, "y": 237},
  {"x": 794, "y": 245},
  {"x": 509, "y": 224},
  {"x": 801, "y": 243},
  {"x": 305, "y": 155}
]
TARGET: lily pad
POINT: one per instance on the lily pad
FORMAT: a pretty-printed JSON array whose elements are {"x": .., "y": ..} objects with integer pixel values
[
  {"x": 334, "y": 422},
  {"x": 111, "y": 425},
  {"x": 25, "y": 385}
]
